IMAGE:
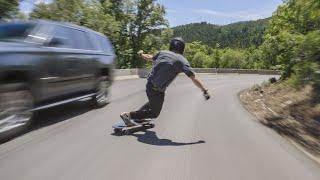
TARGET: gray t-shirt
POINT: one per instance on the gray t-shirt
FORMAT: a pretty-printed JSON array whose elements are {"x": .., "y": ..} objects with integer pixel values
[{"x": 166, "y": 66}]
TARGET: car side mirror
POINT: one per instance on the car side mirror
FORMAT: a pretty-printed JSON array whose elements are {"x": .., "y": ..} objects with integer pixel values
[{"x": 57, "y": 42}]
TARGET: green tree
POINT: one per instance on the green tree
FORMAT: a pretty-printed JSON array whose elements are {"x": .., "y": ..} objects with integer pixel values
[
  {"x": 216, "y": 56},
  {"x": 292, "y": 36},
  {"x": 199, "y": 60},
  {"x": 195, "y": 47},
  {"x": 233, "y": 59},
  {"x": 8, "y": 8},
  {"x": 236, "y": 35},
  {"x": 129, "y": 24},
  {"x": 94, "y": 17},
  {"x": 43, "y": 11},
  {"x": 85, "y": 13},
  {"x": 255, "y": 60},
  {"x": 310, "y": 47},
  {"x": 147, "y": 16},
  {"x": 60, "y": 10},
  {"x": 123, "y": 11}
]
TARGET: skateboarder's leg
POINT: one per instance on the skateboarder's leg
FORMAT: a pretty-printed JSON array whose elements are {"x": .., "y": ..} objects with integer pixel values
[
  {"x": 153, "y": 108},
  {"x": 155, "y": 101},
  {"x": 145, "y": 106}
]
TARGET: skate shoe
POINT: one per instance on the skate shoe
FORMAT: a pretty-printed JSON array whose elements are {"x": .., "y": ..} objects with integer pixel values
[{"x": 126, "y": 119}]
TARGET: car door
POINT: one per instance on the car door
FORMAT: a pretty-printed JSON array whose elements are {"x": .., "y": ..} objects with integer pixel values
[
  {"x": 79, "y": 61},
  {"x": 67, "y": 61},
  {"x": 87, "y": 60},
  {"x": 46, "y": 61}
]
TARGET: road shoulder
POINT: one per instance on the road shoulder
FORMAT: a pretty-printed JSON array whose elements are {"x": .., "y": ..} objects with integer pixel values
[{"x": 272, "y": 106}]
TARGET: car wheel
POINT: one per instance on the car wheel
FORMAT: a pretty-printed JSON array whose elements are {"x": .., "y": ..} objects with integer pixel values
[
  {"x": 16, "y": 102},
  {"x": 101, "y": 97}
]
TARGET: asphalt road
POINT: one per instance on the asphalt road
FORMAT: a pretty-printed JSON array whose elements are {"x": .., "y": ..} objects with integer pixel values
[{"x": 193, "y": 139}]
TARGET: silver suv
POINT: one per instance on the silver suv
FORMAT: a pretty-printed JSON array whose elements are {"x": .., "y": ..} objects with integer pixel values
[{"x": 44, "y": 64}]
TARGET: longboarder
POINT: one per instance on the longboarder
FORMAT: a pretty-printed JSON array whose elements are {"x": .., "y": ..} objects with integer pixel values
[{"x": 166, "y": 66}]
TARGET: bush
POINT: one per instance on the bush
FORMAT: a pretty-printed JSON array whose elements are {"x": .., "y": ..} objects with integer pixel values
[
  {"x": 310, "y": 47},
  {"x": 231, "y": 58},
  {"x": 265, "y": 84},
  {"x": 198, "y": 60},
  {"x": 316, "y": 88},
  {"x": 303, "y": 73}
]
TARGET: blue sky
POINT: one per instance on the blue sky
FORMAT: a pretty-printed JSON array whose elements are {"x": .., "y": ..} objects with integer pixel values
[
  {"x": 212, "y": 11},
  {"x": 218, "y": 11},
  {"x": 27, "y": 5}
]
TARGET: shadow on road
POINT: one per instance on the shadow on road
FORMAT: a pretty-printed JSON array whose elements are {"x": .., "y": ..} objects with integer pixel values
[
  {"x": 151, "y": 138},
  {"x": 52, "y": 116},
  {"x": 59, "y": 114}
]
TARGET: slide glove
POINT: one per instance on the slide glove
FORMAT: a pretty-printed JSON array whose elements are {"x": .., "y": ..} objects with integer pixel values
[
  {"x": 140, "y": 53},
  {"x": 206, "y": 94}
]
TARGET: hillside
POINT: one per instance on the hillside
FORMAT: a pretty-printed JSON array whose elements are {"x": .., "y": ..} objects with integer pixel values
[{"x": 236, "y": 35}]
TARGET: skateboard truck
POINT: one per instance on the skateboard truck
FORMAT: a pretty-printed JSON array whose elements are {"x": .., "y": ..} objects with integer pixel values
[{"x": 140, "y": 125}]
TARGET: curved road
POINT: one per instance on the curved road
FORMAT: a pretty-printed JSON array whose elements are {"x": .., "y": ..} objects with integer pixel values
[{"x": 193, "y": 139}]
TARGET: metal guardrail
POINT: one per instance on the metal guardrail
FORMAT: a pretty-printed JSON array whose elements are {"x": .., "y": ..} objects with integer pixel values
[{"x": 144, "y": 72}]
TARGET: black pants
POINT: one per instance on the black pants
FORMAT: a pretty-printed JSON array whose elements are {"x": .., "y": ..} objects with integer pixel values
[{"x": 152, "y": 108}]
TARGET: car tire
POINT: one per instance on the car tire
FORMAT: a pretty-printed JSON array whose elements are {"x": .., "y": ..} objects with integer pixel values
[
  {"x": 101, "y": 97},
  {"x": 16, "y": 103}
]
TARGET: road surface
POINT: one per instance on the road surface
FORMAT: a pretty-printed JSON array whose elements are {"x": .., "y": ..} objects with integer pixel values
[{"x": 193, "y": 139}]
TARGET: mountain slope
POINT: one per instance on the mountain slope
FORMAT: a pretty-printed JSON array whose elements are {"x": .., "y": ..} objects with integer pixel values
[{"x": 236, "y": 35}]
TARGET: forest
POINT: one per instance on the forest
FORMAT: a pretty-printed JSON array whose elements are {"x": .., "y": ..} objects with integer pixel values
[
  {"x": 236, "y": 35},
  {"x": 288, "y": 41}
]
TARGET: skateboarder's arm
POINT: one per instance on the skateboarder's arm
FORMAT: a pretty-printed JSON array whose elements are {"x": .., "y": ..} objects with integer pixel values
[
  {"x": 144, "y": 56},
  {"x": 198, "y": 83}
]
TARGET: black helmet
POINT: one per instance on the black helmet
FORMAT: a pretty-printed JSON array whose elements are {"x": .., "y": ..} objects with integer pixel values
[{"x": 177, "y": 45}]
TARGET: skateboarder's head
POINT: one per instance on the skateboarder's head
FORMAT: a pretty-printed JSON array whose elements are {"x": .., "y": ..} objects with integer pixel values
[{"x": 177, "y": 45}]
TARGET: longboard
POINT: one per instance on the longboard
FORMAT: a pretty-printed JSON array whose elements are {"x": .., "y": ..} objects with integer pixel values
[{"x": 121, "y": 128}]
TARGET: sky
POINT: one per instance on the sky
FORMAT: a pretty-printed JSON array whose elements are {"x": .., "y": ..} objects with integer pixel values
[
  {"x": 219, "y": 12},
  {"x": 27, "y": 5}
]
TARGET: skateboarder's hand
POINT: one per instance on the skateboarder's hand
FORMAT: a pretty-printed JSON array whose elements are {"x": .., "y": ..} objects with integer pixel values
[
  {"x": 206, "y": 94},
  {"x": 140, "y": 52}
]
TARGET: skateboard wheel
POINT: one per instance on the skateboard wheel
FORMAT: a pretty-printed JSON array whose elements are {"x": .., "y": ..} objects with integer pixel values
[{"x": 118, "y": 131}]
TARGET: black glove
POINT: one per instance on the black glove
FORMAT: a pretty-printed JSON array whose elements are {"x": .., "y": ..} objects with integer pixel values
[{"x": 206, "y": 94}]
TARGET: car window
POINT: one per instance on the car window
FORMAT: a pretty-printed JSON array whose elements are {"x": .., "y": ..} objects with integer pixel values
[
  {"x": 104, "y": 44},
  {"x": 62, "y": 38},
  {"x": 71, "y": 38},
  {"x": 15, "y": 31},
  {"x": 82, "y": 40},
  {"x": 40, "y": 34}
]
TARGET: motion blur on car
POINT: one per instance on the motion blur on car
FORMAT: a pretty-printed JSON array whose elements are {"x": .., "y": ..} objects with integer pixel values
[{"x": 44, "y": 64}]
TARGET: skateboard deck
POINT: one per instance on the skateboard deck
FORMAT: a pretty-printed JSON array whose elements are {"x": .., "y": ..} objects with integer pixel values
[{"x": 121, "y": 128}]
